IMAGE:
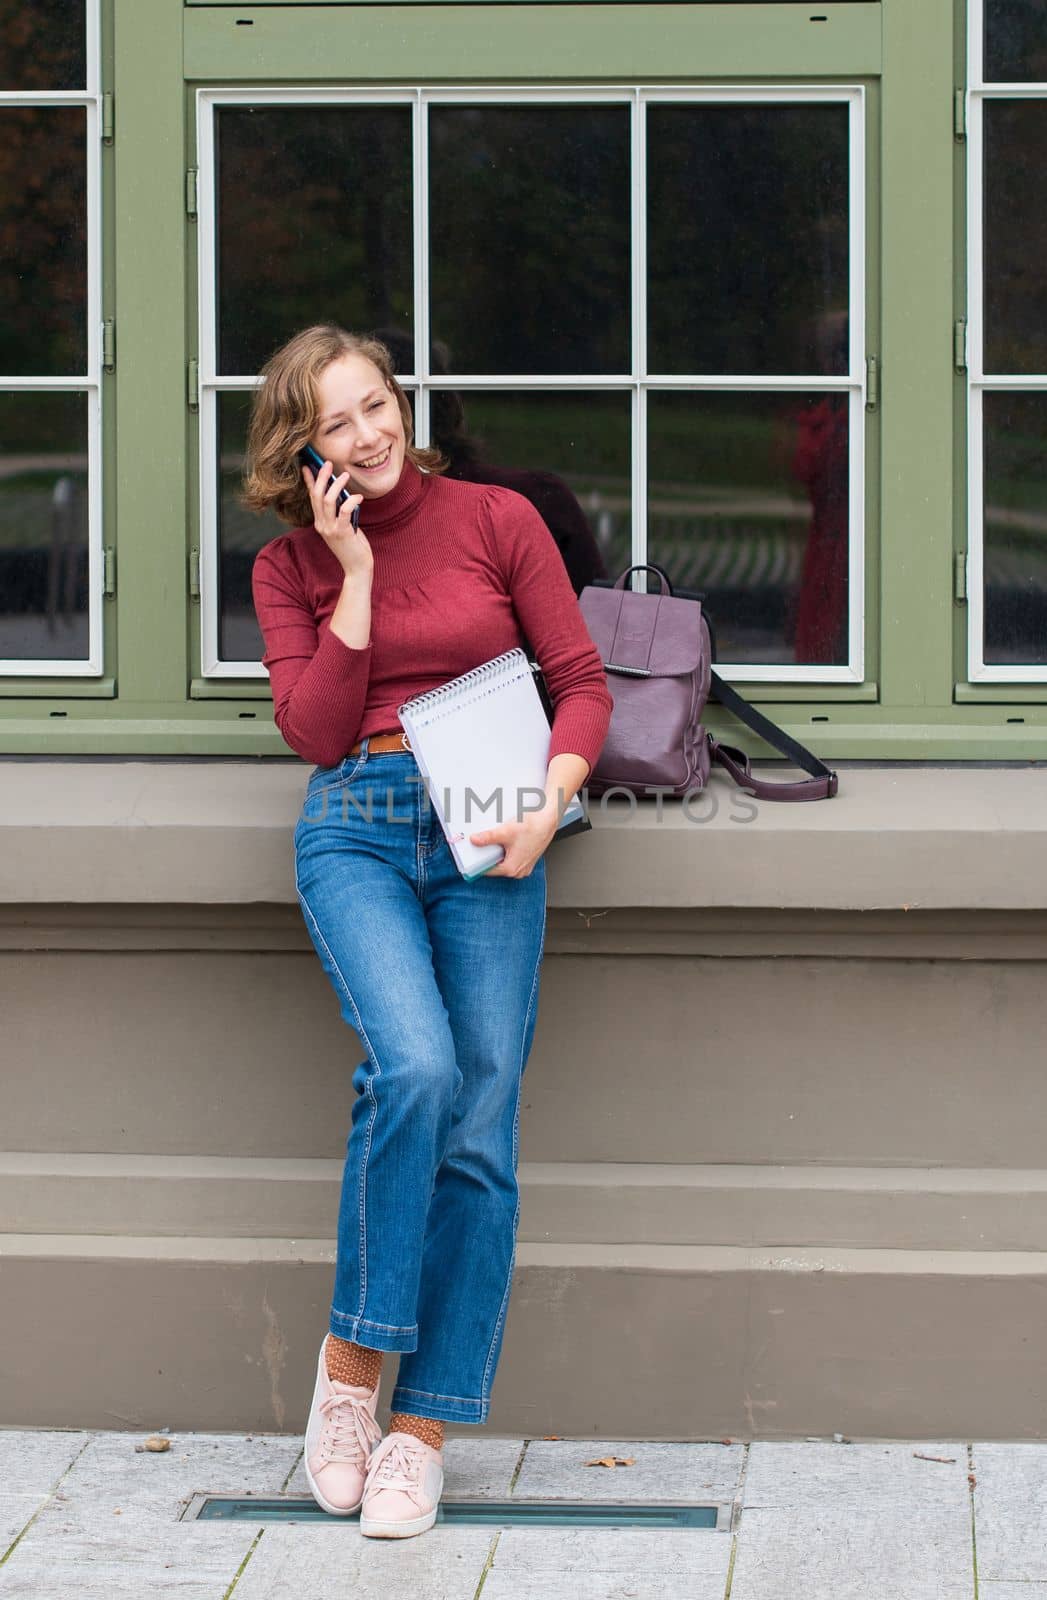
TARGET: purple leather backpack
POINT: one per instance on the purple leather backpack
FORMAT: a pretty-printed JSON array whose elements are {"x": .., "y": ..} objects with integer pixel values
[{"x": 657, "y": 651}]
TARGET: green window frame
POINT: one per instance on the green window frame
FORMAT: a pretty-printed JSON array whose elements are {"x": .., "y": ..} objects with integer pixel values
[{"x": 157, "y": 53}]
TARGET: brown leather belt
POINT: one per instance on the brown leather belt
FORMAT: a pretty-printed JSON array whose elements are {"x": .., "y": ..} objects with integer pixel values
[{"x": 383, "y": 744}]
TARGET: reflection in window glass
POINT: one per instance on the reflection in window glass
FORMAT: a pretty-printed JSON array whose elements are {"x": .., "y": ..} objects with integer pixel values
[
  {"x": 569, "y": 454},
  {"x": 43, "y": 241},
  {"x": 42, "y": 44},
  {"x": 529, "y": 247},
  {"x": 241, "y": 534},
  {"x": 748, "y": 502},
  {"x": 314, "y": 223},
  {"x": 43, "y": 527},
  {"x": 747, "y": 222},
  {"x": 1015, "y": 41},
  {"x": 1015, "y": 236},
  {"x": 1015, "y": 528}
]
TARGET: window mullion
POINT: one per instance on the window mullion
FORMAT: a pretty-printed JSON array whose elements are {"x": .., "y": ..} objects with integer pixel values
[
  {"x": 639, "y": 330},
  {"x": 639, "y": 409},
  {"x": 422, "y": 311},
  {"x": 975, "y": 360}
]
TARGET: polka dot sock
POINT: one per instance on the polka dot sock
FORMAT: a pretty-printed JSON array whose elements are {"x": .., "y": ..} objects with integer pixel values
[
  {"x": 429, "y": 1429},
  {"x": 352, "y": 1363}
]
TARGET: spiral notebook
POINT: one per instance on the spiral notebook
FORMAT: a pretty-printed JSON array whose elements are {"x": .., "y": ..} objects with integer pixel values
[{"x": 482, "y": 744}]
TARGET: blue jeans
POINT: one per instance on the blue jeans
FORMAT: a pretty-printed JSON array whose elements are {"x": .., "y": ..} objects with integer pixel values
[{"x": 439, "y": 977}]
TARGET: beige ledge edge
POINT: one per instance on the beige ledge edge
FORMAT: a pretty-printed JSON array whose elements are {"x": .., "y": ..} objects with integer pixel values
[{"x": 219, "y": 832}]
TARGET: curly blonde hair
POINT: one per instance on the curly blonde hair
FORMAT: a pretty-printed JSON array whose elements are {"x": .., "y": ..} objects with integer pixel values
[{"x": 285, "y": 412}]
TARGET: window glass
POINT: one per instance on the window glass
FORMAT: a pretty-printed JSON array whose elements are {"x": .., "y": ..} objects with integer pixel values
[
  {"x": 1015, "y": 41},
  {"x": 241, "y": 534},
  {"x": 1015, "y": 527},
  {"x": 748, "y": 502},
  {"x": 42, "y": 44},
  {"x": 747, "y": 228},
  {"x": 43, "y": 527},
  {"x": 569, "y": 454},
  {"x": 314, "y": 223},
  {"x": 529, "y": 237},
  {"x": 1015, "y": 236},
  {"x": 43, "y": 241}
]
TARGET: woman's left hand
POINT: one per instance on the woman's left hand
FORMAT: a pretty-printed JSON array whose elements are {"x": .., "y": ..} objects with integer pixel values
[{"x": 524, "y": 843}]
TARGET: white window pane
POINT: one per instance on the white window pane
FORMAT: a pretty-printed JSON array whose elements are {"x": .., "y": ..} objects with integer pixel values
[
  {"x": 1015, "y": 528},
  {"x": 43, "y": 44},
  {"x": 529, "y": 237},
  {"x": 314, "y": 223},
  {"x": 1015, "y": 236},
  {"x": 1015, "y": 41},
  {"x": 748, "y": 502},
  {"x": 43, "y": 241},
  {"x": 748, "y": 238},
  {"x": 43, "y": 527}
]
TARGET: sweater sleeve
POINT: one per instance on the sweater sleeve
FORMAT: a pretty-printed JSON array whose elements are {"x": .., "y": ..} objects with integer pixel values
[
  {"x": 319, "y": 683},
  {"x": 549, "y": 614}
]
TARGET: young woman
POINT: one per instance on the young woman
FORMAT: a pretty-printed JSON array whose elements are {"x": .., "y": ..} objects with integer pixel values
[{"x": 438, "y": 976}]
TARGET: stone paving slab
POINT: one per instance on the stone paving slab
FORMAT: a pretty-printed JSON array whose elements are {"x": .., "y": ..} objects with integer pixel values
[
  {"x": 608, "y": 1564},
  {"x": 694, "y": 1473},
  {"x": 336, "y": 1562},
  {"x": 1010, "y": 1510},
  {"x": 820, "y": 1473},
  {"x": 1009, "y": 1591},
  {"x": 112, "y": 1470},
  {"x": 32, "y": 1462},
  {"x": 654, "y": 1585},
  {"x": 481, "y": 1469},
  {"x": 84, "y": 1552},
  {"x": 31, "y": 1466},
  {"x": 16, "y": 1511},
  {"x": 834, "y": 1552}
]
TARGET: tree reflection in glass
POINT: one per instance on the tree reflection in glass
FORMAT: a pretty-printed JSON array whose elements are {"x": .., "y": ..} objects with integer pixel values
[
  {"x": 314, "y": 223},
  {"x": 529, "y": 237}
]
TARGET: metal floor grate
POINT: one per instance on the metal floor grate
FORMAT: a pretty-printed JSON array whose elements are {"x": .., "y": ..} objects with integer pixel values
[{"x": 484, "y": 1513}]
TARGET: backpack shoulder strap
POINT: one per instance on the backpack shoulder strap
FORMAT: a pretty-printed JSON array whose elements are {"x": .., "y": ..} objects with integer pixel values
[{"x": 823, "y": 783}]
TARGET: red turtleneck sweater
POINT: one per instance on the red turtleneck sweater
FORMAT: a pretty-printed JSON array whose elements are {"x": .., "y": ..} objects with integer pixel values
[{"x": 462, "y": 572}]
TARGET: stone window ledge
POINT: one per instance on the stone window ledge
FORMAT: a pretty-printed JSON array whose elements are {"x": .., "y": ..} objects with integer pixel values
[{"x": 219, "y": 832}]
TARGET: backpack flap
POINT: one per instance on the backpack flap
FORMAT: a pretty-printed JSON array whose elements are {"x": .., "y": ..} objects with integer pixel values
[{"x": 644, "y": 635}]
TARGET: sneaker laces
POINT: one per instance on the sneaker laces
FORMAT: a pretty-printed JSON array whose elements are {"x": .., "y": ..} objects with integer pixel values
[
  {"x": 400, "y": 1468},
  {"x": 350, "y": 1431}
]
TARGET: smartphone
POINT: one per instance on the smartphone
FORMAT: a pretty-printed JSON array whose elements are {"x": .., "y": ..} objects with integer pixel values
[{"x": 309, "y": 458}]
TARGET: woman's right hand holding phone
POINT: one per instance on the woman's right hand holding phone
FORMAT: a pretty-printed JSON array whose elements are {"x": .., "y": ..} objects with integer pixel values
[{"x": 334, "y": 523}]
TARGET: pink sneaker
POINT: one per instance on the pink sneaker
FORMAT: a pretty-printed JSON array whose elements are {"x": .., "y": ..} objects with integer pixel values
[
  {"x": 340, "y": 1437},
  {"x": 405, "y": 1480}
]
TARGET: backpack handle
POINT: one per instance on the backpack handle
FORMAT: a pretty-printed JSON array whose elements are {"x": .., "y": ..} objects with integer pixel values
[{"x": 645, "y": 566}]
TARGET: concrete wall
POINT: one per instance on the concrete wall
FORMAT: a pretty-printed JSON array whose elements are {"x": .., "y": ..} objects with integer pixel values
[{"x": 780, "y": 1137}]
